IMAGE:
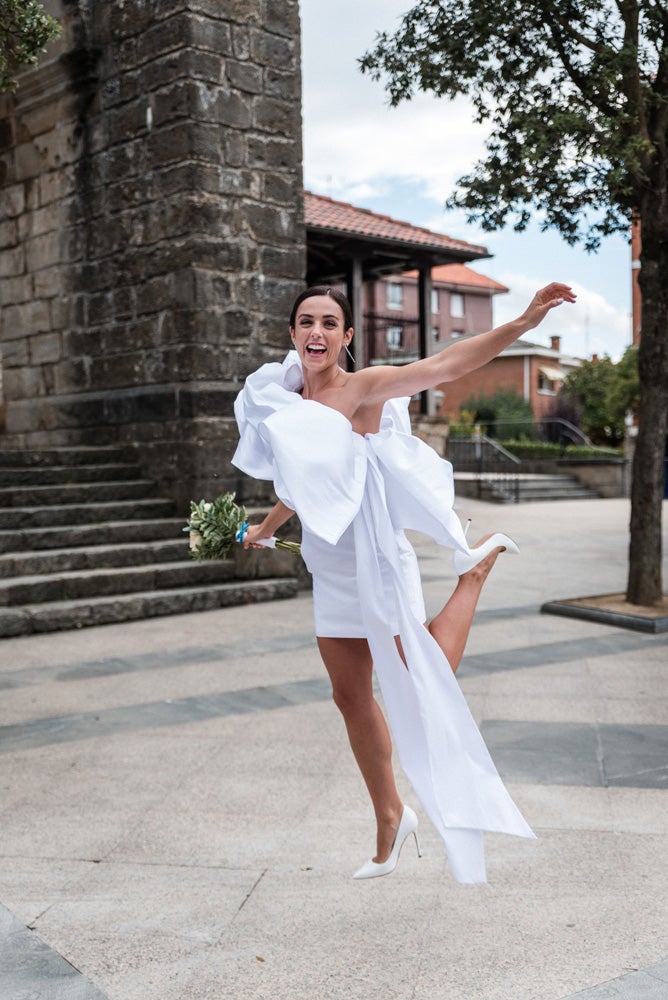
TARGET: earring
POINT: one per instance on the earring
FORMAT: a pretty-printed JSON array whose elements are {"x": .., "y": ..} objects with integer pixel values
[{"x": 349, "y": 353}]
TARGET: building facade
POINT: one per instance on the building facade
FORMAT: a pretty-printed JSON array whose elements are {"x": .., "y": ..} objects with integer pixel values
[{"x": 153, "y": 234}]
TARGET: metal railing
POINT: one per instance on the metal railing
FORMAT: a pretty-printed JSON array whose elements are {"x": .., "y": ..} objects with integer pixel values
[{"x": 494, "y": 466}]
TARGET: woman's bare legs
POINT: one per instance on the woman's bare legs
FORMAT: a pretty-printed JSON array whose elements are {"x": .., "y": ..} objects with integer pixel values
[
  {"x": 451, "y": 626},
  {"x": 349, "y": 665}
]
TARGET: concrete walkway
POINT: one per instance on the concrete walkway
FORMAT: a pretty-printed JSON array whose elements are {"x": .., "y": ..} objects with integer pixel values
[{"x": 181, "y": 812}]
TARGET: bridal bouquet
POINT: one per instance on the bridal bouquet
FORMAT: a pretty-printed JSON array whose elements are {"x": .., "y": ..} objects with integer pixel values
[{"x": 215, "y": 525}]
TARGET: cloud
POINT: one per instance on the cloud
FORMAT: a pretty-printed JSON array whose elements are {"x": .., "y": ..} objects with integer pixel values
[{"x": 591, "y": 326}]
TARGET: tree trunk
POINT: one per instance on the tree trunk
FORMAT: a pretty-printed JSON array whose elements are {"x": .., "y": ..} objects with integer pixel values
[{"x": 644, "y": 581}]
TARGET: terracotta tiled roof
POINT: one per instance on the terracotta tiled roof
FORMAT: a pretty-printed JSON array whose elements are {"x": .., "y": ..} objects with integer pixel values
[
  {"x": 460, "y": 274},
  {"x": 340, "y": 217}
]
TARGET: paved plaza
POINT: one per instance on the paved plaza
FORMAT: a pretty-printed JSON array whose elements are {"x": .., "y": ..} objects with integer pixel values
[{"x": 181, "y": 813}]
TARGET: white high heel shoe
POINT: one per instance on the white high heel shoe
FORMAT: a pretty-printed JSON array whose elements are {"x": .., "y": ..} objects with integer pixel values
[
  {"x": 407, "y": 825},
  {"x": 463, "y": 562}
]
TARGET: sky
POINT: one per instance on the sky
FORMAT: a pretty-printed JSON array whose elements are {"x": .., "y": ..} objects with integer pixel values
[{"x": 405, "y": 162}]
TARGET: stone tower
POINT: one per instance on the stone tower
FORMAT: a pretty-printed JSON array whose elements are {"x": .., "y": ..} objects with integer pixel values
[{"x": 151, "y": 230}]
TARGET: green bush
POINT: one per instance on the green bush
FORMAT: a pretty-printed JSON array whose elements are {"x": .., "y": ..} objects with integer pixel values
[
  {"x": 505, "y": 414},
  {"x": 538, "y": 450}
]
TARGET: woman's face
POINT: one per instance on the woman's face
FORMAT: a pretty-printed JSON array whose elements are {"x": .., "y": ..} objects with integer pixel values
[{"x": 318, "y": 333}]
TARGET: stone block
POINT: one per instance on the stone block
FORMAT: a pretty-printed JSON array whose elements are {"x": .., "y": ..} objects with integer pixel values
[
  {"x": 234, "y": 148},
  {"x": 45, "y": 348},
  {"x": 15, "y": 353},
  {"x": 12, "y": 262},
  {"x": 244, "y": 76},
  {"x": 23, "y": 383},
  {"x": 211, "y": 33},
  {"x": 13, "y": 200},
  {"x": 127, "y": 121},
  {"x": 131, "y": 19},
  {"x": 275, "y": 116},
  {"x": 6, "y": 134},
  {"x": 43, "y": 220},
  {"x": 240, "y": 41},
  {"x": 184, "y": 63},
  {"x": 233, "y": 110},
  {"x": 270, "y": 224},
  {"x": 273, "y": 153},
  {"x": 43, "y": 251},
  {"x": 164, "y": 37},
  {"x": 285, "y": 84},
  {"x": 154, "y": 295},
  {"x": 56, "y": 184},
  {"x": 17, "y": 289},
  {"x": 272, "y": 50},
  {"x": 183, "y": 177},
  {"x": 48, "y": 282},
  {"x": 28, "y": 162},
  {"x": 242, "y": 183},
  {"x": 9, "y": 233},
  {"x": 283, "y": 263},
  {"x": 182, "y": 141},
  {"x": 123, "y": 302},
  {"x": 120, "y": 89},
  {"x": 122, "y": 161},
  {"x": 282, "y": 188}
]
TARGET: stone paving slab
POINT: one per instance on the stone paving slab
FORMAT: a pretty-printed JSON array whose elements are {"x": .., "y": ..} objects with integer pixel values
[
  {"x": 30, "y": 970},
  {"x": 181, "y": 811}
]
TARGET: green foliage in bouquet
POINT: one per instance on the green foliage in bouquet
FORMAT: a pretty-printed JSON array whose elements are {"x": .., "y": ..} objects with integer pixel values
[{"x": 213, "y": 526}]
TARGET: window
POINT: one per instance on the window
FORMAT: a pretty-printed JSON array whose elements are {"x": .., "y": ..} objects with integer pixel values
[
  {"x": 393, "y": 337},
  {"x": 456, "y": 305},
  {"x": 395, "y": 295},
  {"x": 434, "y": 300},
  {"x": 456, "y": 333},
  {"x": 434, "y": 333}
]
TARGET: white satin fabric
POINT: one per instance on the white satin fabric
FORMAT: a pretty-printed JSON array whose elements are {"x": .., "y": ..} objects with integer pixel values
[{"x": 366, "y": 491}]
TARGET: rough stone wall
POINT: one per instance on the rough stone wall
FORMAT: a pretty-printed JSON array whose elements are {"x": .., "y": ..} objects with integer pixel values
[{"x": 151, "y": 230}]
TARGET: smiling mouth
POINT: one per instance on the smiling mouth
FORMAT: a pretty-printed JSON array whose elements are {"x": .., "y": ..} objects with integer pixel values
[{"x": 316, "y": 350}]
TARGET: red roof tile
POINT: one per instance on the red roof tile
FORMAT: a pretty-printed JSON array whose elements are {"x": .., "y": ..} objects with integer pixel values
[
  {"x": 460, "y": 274},
  {"x": 338, "y": 216}
]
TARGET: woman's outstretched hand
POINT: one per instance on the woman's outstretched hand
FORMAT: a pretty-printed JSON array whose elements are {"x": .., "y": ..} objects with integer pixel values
[{"x": 547, "y": 298}]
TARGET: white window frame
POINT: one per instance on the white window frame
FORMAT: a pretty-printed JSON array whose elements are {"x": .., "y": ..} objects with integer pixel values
[
  {"x": 394, "y": 295},
  {"x": 457, "y": 305}
]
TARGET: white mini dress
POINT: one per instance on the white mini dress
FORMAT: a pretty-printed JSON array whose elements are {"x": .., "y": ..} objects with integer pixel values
[{"x": 355, "y": 496}]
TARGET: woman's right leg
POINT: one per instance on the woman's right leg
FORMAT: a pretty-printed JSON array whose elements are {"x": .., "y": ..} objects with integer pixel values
[{"x": 349, "y": 665}]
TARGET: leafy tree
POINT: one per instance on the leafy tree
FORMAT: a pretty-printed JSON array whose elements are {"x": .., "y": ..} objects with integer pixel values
[
  {"x": 590, "y": 387},
  {"x": 624, "y": 392},
  {"x": 576, "y": 96},
  {"x": 25, "y": 30}
]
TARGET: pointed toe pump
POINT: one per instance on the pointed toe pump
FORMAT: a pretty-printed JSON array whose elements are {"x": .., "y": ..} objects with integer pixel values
[
  {"x": 463, "y": 561},
  {"x": 408, "y": 825}
]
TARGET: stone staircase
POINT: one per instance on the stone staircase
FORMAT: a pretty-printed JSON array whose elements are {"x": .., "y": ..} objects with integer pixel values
[
  {"x": 85, "y": 540},
  {"x": 525, "y": 488}
]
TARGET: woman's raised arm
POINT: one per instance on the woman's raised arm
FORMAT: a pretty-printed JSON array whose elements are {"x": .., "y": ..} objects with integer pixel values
[{"x": 387, "y": 381}]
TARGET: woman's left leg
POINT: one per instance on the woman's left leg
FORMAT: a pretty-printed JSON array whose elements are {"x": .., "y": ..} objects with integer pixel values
[{"x": 451, "y": 626}]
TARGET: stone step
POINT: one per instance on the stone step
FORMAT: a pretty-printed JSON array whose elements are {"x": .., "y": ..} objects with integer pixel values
[
  {"x": 93, "y": 557},
  {"x": 66, "y": 455},
  {"x": 102, "y": 533},
  {"x": 58, "y": 615},
  {"x": 75, "y": 493},
  {"x": 43, "y": 475},
  {"x": 75, "y": 585},
  {"x": 72, "y": 514}
]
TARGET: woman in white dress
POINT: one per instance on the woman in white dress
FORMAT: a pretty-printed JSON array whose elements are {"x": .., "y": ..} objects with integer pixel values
[{"x": 337, "y": 446}]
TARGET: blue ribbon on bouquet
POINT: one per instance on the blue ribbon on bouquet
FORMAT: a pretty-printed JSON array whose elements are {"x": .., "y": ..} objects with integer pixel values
[{"x": 241, "y": 532}]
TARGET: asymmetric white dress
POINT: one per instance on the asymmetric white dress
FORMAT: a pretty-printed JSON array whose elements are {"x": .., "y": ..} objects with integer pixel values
[{"x": 355, "y": 495}]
